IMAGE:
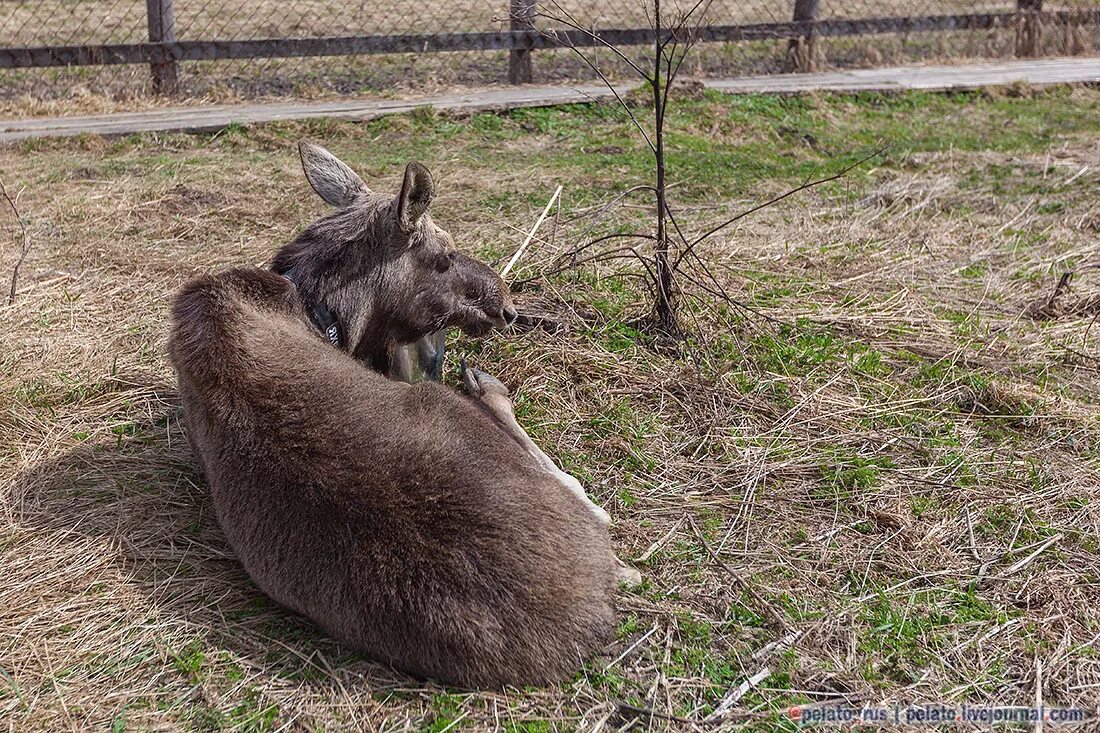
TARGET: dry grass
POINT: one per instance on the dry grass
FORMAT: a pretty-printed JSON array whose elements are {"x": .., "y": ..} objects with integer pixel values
[{"x": 859, "y": 469}]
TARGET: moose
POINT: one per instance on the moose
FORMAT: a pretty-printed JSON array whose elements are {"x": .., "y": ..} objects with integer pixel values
[{"x": 417, "y": 525}]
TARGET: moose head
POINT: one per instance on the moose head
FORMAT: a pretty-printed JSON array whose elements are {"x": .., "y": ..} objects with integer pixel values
[{"x": 382, "y": 269}]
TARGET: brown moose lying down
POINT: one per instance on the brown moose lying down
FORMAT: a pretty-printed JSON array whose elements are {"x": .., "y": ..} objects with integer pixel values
[{"x": 419, "y": 526}]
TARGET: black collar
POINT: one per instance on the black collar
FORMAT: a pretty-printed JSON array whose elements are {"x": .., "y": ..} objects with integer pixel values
[{"x": 321, "y": 316}]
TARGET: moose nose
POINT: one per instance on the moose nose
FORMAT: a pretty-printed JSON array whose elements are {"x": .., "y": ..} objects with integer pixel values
[{"x": 510, "y": 315}]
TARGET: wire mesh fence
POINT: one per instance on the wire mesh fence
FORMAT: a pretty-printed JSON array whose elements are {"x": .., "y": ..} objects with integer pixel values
[{"x": 205, "y": 44}]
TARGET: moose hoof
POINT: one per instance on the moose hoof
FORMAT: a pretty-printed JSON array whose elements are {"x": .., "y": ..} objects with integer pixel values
[{"x": 479, "y": 384}]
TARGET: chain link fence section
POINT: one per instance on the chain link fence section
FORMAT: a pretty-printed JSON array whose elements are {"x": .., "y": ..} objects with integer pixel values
[
  {"x": 1062, "y": 34},
  {"x": 226, "y": 50},
  {"x": 310, "y": 77}
]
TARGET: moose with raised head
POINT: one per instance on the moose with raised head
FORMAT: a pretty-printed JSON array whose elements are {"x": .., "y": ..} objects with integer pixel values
[{"x": 419, "y": 526}]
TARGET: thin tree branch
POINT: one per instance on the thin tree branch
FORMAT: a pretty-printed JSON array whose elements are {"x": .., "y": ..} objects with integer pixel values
[
  {"x": 570, "y": 22},
  {"x": 609, "y": 205},
  {"x": 675, "y": 224},
  {"x": 611, "y": 254},
  {"x": 692, "y": 35},
  {"x": 809, "y": 184},
  {"x": 24, "y": 248},
  {"x": 721, "y": 293},
  {"x": 717, "y": 290},
  {"x": 620, "y": 106},
  {"x": 706, "y": 270},
  {"x": 572, "y": 254},
  {"x": 606, "y": 82}
]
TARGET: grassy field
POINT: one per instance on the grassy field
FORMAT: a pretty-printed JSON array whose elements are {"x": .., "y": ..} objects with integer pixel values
[{"x": 871, "y": 471}]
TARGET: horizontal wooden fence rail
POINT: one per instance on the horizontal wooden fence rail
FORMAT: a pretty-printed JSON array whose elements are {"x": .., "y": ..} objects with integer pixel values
[{"x": 145, "y": 53}]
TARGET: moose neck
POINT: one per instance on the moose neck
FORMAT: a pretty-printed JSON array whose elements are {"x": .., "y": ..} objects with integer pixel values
[
  {"x": 375, "y": 347},
  {"x": 347, "y": 320},
  {"x": 372, "y": 341}
]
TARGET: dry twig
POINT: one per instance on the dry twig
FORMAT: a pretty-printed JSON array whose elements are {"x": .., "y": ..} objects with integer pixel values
[
  {"x": 530, "y": 234},
  {"x": 24, "y": 247},
  {"x": 734, "y": 695},
  {"x": 808, "y": 184}
]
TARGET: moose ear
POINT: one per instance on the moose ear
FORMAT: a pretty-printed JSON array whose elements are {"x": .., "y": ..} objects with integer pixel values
[
  {"x": 330, "y": 177},
  {"x": 417, "y": 192}
]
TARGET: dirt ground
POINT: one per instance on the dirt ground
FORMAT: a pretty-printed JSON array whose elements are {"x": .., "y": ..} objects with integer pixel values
[{"x": 869, "y": 473}]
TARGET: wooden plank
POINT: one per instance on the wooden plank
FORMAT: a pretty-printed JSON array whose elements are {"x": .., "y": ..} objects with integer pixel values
[
  {"x": 145, "y": 53},
  {"x": 1029, "y": 34},
  {"x": 801, "y": 50},
  {"x": 162, "y": 29},
  {"x": 971, "y": 76},
  {"x": 522, "y": 17},
  {"x": 203, "y": 119}
]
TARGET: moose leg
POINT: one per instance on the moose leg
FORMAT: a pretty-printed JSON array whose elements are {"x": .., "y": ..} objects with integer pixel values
[
  {"x": 419, "y": 361},
  {"x": 494, "y": 395},
  {"x": 429, "y": 352}
]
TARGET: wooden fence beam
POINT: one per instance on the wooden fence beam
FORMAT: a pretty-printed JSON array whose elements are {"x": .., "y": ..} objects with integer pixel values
[
  {"x": 522, "y": 18},
  {"x": 802, "y": 51},
  {"x": 1029, "y": 28},
  {"x": 162, "y": 29},
  {"x": 149, "y": 53}
]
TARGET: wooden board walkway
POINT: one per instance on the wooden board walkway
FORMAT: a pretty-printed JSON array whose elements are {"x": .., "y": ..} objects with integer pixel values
[
  {"x": 1036, "y": 72},
  {"x": 216, "y": 117}
]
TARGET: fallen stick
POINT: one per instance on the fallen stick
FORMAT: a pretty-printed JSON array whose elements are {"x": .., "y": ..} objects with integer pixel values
[
  {"x": 767, "y": 609},
  {"x": 779, "y": 644},
  {"x": 1074, "y": 177},
  {"x": 659, "y": 543},
  {"x": 1027, "y": 560},
  {"x": 983, "y": 569},
  {"x": 1039, "y": 690},
  {"x": 530, "y": 235},
  {"x": 632, "y": 647},
  {"x": 739, "y": 692}
]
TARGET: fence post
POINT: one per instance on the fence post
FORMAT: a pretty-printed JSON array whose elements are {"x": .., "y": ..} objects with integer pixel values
[
  {"x": 801, "y": 51},
  {"x": 1029, "y": 29},
  {"x": 162, "y": 29},
  {"x": 522, "y": 16}
]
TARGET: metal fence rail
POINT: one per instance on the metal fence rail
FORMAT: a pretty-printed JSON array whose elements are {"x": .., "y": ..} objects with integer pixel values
[{"x": 184, "y": 42}]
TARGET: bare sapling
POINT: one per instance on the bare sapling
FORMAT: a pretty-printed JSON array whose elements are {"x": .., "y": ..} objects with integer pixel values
[
  {"x": 673, "y": 36},
  {"x": 667, "y": 247}
]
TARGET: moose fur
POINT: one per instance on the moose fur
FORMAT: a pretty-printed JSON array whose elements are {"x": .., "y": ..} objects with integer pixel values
[{"x": 408, "y": 521}]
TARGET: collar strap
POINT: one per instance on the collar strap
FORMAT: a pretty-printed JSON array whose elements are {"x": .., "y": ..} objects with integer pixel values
[{"x": 321, "y": 316}]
